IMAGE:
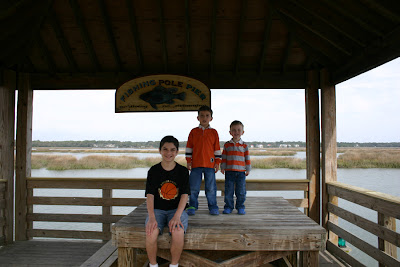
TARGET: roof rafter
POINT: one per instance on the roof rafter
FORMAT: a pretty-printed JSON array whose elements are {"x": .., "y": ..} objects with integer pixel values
[
  {"x": 46, "y": 55},
  {"x": 213, "y": 36},
  {"x": 318, "y": 28},
  {"x": 338, "y": 8},
  {"x": 380, "y": 7},
  {"x": 314, "y": 41},
  {"x": 135, "y": 33},
  {"x": 267, "y": 31},
  {"x": 243, "y": 12},
  {"x": 187, "y": 29},
  {"x": 62, "y": 40},
  {"x": 85, "y": 35},
  {"x": 287, "y": 52},
  {"x": 162, "y": 35},
  {"x": 322, "y": 57},
  {"x": 342, "y": 30},
  {"x": 110, "y": 34}
]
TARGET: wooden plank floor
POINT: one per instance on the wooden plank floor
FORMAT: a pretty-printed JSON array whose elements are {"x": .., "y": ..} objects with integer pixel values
[
  {"x": 47, "y": 253},
  {"x": 74, "y": 253}
]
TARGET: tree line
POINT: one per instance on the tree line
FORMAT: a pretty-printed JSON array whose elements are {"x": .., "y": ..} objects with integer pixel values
[{"x": 155, "y": 144}]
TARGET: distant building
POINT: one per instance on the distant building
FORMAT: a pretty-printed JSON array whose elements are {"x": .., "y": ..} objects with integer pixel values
[
  {"x": 260, "y": 146},
  {"x": 283, "y": 145}
]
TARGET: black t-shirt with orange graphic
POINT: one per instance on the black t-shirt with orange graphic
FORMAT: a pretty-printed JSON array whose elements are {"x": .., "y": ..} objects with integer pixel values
[{"x": 167, "y": 186}]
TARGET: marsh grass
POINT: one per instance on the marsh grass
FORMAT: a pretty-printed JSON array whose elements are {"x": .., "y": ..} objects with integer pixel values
[
  {"x": 370, "y": 158},
  {"x": 352, "y": 158},
  {"x": 276, "y": 162},
  {"x": 68, "y": 162}
]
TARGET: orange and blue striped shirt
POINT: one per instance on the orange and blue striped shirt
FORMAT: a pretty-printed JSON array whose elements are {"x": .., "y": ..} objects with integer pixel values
[{"x": 235, "y": 156}]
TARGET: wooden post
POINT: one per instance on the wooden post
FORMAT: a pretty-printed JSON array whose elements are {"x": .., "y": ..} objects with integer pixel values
[
  {"x": 24, "y": 149},
  {"x": 106, "y": 211},
  {"x": 7, "y": 121},
  {"x": 329, "y": 149},
  {"x": 389, "y": 248},
  {"x": 126, "y": 257},
  {"x": 313, "y": 145}
]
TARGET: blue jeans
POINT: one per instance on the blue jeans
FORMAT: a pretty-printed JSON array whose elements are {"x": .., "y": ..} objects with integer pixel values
[
  {"x": 210, "y": 187},
  {"x": 235, "y": 182},
  {"x": 164, "y": 216}
]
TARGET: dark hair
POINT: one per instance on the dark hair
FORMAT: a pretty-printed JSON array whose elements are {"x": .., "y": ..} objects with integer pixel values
[
  {"x": 205, "y": 108},
  {"x": 169, "y": 139},
  {"x": 236, "y": 123}
]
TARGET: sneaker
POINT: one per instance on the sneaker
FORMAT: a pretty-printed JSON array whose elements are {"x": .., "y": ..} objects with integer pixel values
[
  {"x": 191, "y": 211},
  {"x": 227, "y": 211},
  {"x": 241, "y": 212},
  {"x": 214, "y": 212}
]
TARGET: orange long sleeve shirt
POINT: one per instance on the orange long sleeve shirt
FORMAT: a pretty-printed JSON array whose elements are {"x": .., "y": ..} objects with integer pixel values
[{"x": 202, "y": 149}]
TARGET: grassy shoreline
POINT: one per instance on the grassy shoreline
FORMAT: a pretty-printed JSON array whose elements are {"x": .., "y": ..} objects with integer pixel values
[{"x": 351, "y": 158}]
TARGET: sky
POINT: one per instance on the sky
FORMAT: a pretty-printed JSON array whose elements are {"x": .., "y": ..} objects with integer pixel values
[{"x": 367, "y": 106}]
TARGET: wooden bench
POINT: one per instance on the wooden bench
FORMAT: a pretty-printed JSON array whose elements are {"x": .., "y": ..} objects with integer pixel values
[{"x": 106, "y": 256}]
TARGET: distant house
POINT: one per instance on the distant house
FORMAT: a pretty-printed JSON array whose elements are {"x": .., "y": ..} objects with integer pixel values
[
  {"x": 251, "y": 146},
  {"x": 283, "y": 145},
  {"x": 260, "y": 146}
]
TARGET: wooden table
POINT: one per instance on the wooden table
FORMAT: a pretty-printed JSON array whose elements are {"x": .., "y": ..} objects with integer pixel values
[{"x": 271, "y": 229}]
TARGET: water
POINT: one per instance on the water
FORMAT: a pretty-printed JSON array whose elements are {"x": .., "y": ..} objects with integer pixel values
[{"x": 380, "y": 180}]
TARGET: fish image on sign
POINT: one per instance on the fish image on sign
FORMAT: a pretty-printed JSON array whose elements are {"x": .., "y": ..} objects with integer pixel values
[
  {"x": 162, "y": 95},
  {"x": 163, "y": 92}
]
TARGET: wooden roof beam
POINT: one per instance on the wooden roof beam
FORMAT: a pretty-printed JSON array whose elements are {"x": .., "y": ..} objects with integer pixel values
[
  {"x": 243, "y": 12},
  {"x": 314, "y": 11},
  {"x": 46, "y": 55},
  {"x": 317, "y": 28},
  {"x": 314, "y": 42},
  {"x": 315, "y": 56},
  {"x": 357, "y": 20},
  {"x": 62, "y": 40},
  {"x": 162, "y": 35},
  {"x": 379, "y": 7},
  {"x": 85, "y": 35},
  {"x": 287, "y": 52},
  {"x": 187, "y": 29},
  {"x": 213, "y": 36},
  {"x": 135, "y": 33},
  {"x": 110, "y": 34},
  {"x": 267, "y": 31}
]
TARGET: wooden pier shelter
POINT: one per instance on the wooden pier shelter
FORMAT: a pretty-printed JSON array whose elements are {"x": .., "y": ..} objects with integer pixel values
[{"x": 226, "y": 44}]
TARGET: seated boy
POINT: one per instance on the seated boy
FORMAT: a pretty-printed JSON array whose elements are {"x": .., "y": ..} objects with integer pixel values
[{"x": 167, "y": 190}]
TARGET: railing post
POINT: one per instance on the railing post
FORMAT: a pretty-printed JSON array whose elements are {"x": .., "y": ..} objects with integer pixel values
[
  {"x": 7, "y": 121},
  {"x": 313, "y": 146},
  {"x": 329, "y": 149},
  {"x": 106, "y": 212},
  {"x": 24, "y": 149},
  {"x": 389, "y": 248}
]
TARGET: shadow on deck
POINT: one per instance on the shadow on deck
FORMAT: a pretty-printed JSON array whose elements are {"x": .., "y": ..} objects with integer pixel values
[{"x": 74, "y": 253}]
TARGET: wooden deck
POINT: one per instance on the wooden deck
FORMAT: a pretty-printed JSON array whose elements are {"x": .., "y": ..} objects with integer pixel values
[
  {"x": 271, "y": 229},
  {"x": 52, "y": 253},
  {"x": 74, "y": 253}
]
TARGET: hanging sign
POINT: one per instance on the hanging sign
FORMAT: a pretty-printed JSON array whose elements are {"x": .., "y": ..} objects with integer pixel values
[{"x": 162, "y": 93}]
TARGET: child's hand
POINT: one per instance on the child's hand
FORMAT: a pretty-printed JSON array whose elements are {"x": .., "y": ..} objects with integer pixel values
[
  {"x": 174, "y": 223},
  {"x": 222, "y": 171},
  {"x": 151, "y": 226},
  {"x": 189, "y": 166},
  {"x": 247, "y": 173},
  {"x": 216, "y": 167}
]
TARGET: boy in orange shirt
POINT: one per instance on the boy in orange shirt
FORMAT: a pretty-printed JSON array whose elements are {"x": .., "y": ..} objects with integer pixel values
[{"x": 203, "y": 155}]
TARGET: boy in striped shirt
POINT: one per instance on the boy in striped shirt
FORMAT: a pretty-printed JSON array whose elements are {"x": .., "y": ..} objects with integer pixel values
[{"x": 236, "y": 166}]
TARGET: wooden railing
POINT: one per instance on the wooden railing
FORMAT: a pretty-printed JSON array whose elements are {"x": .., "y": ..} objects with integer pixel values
[
  {"x": 107, "y": 201},
  {"x": 387, "y": 208},
  {"x": 3, "y": 183}
]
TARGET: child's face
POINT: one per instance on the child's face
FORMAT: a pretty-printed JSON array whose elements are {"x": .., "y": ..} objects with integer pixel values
[
  {"x": 168, "y": 152},
  {"x": 204, "y": 118},
  {"x": 236, "y": 132}
]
